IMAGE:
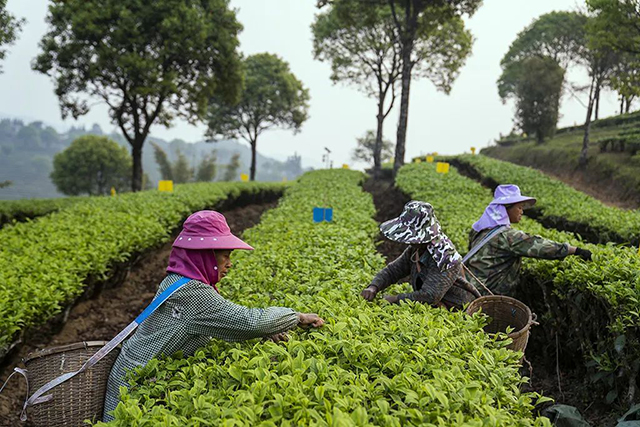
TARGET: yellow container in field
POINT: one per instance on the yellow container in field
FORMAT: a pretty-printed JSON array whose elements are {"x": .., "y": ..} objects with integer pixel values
[
  {"x": 165, "y": 185},
  {"x": 442, "y": 167}
]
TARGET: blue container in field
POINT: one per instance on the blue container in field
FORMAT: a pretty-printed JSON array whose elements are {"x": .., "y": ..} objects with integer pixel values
[
  {"x": 328, "y": 214},
  {"x": 318, "y": 214}
]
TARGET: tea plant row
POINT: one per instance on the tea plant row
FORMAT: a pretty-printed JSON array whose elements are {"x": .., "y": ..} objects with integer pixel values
[
  {"x": 592, "y": 305},
  {"x": 372, "y": 363},
  {"x": 22, "y": 210},
  {"x": 44, "y": 264},
  {"x": 559, "y": 204}
]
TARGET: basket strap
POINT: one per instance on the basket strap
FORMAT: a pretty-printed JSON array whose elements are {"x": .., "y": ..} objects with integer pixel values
[
  {"x": 38, "y": 396},
  {"x": 22, "y": 372},
  {"x": 483, "y": 242}
]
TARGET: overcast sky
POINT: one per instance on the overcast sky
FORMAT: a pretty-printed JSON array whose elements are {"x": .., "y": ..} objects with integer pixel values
[{"x": 472, "y": 115}]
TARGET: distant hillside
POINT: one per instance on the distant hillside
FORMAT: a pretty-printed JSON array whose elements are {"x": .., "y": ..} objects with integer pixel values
[
  {"x": 613, "y": 170},
  {"x": 27, "y": 151}
]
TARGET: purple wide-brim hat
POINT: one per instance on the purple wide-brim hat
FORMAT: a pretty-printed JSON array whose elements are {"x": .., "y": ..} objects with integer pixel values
[
  {"x": 208, "y": 230},
  {"x": 509, "y": 194}
]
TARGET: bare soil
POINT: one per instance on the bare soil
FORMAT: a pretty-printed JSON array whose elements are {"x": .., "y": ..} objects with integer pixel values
[
  {"x": 566, "y": 386},
  {"x": 106, "y": 314}
]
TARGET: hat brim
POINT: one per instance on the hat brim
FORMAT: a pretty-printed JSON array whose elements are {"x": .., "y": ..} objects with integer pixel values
[
  {"x": 229, "y": 241},
  {"x": 391, "y": 230},
  {"x": 515, "y": 199}
]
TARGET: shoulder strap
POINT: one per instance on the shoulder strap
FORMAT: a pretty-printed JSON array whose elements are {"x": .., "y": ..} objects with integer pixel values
[
  {"x": 38, "y": 397},
  {"x": 483, "y": 242}
]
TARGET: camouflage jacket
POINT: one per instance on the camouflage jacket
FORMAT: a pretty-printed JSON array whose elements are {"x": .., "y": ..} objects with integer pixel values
[
  {"x": 430, "y": 285},
  {"x": 498, "y": 262}
]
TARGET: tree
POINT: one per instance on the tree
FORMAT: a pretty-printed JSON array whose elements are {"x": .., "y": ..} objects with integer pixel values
[
  {"x": 150, "y": 62},
  {"x": 272, "y": 98},
  {"x": 9, "y": 28},
  {"x": 91, "y": 165},
  {"x": 231, "y": 170},
  {"x": 366, "y": 146},
  {"x": 616, "y": 23},
  {"x": 5, "y": 184},
  {"x": 433, "y": 43},
  {"x": 166, "y": 169},
  {"x": 361, "y": 45},
  {"x": 182, "y": 171},
  {"x": 537, "y": 89},
  {"x": 625, "y": 79},
  {"x": 565, "y": 37},
  {"x": 207, "y": 168}
]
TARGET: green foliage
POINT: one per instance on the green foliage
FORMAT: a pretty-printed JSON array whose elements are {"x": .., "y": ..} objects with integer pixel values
[
  {"x": 91, "y": 165},
  {"x": 165, "y": 166},
  {"x": 537, "y": 87},
  {"x": 148, "y": 61},
  {"x": 272, "y": 97},
  {"x": 559, "y": 203},
  {"x": 231, "y": 170},
  {"x": 9, "y": 28},
  {"x": 589, "y": 305},
  {"x": 22, "y": 210},
  {"x": 372, "y": 363},
  {"x": 44, "y": 263},
  {"x": 207, "y": 168},
  {"x": 558, "y": 35},
  {"x": 362, "y": 47},
  {"x": 616, "y": 23},
  {"x": 365, "y": 146},
  {"x": 182, "y": 171}
]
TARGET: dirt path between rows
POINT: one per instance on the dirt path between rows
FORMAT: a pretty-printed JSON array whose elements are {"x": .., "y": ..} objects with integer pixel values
[
  {"x": 566, "y": 387},
  {"x": 102, "y": 317}
]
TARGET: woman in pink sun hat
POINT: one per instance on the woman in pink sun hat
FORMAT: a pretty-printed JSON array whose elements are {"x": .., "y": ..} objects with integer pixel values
[
  {"x": 196, "y": 312},
  {"x": 496, "y": 249}
]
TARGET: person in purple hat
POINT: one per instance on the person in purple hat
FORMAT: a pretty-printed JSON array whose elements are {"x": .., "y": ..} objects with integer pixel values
[
  {"x": 196, "y": 312},
  {"x": 496, "y": 249}
]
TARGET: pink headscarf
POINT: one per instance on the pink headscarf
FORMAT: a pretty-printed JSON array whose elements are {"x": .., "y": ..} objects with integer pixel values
[{"x": 196, "y": 264}]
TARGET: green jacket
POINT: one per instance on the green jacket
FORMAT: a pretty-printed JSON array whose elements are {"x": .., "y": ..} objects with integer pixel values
[{"x": 498, "y": 262}]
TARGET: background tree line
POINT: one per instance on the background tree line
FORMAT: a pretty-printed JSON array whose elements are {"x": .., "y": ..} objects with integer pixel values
[{"x": 603, "y": 40}]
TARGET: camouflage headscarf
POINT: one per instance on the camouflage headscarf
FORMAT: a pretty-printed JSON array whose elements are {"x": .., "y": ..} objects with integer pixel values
[{"x": 417, "y": 224}]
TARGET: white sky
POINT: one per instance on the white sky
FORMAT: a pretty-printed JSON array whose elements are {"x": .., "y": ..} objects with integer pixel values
[{"x": 472, "y": 115}]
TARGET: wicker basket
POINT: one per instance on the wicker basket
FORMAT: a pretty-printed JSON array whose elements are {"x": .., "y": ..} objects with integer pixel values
[
  {"x": 506, "y": 312},
  {"x": 77, "y": 399}
]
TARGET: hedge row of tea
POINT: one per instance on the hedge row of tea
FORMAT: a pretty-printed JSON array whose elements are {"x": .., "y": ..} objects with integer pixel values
[
  {"x": 372, "y": 363},
  {"x": 44, "y": 263},
  {"x": 22, "y": 210},
  {"x": 559, "y": 204},
  {"x": 595, "y": 304}
]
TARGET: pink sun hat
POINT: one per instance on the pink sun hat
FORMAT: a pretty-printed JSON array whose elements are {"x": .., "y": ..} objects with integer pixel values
[{"x": 208, "y": 230}]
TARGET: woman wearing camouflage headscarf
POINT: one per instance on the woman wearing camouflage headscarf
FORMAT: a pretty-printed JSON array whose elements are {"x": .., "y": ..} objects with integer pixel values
[
  {"x": 499, "y": 248},
  {"x": 431, "y": 261}
]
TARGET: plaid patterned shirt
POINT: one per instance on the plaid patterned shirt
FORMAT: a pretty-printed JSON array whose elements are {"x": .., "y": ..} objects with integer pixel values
[{"x": 187, "y": 321}]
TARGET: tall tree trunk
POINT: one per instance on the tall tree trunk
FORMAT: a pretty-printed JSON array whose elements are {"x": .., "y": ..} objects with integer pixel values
[
  {"x": 401, "y": 134},
  {"x": 621, "y": 104},
  {"x": 252, "y": 171},
  {"x": 377, "y": 148},
  {"x": 582, "y": 161},
  {"x": 628, "y": 104},
  {"x": 136, "y": 153},
  {"x": 598, "y": 85}
]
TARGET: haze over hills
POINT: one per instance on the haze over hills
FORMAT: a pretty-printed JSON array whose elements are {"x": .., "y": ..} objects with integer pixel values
[{"x": 27, "y": 152}]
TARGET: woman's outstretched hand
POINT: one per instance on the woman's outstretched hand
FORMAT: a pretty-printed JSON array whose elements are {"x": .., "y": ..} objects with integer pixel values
[
  {"x": 283, "y": 336},
  {"x": 369, "y": 293},
  {"x": 309, "y": 320}
]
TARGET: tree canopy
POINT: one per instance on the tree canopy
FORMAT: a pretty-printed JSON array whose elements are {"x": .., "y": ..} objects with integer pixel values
[
  {"x": 91, "y": 165},
  {"x": 365, "y": 147},
  {"x": 9, "y": 28},
  {"x": 272, "y": 97},
  {"x": 150, "y": 62}
]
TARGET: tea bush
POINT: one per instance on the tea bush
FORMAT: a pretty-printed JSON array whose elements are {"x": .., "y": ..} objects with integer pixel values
[
  {"x": 372, "y": 363},
  {"x": 593, "y": 306},
  {"x": 44, "y": 264},
  {"x": 559, "y": 204}
]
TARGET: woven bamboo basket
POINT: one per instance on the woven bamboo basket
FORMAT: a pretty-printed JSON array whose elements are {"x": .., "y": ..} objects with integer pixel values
[
  {"x": 77, "y": 399},
  {"x": 506, "y": 312}
]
